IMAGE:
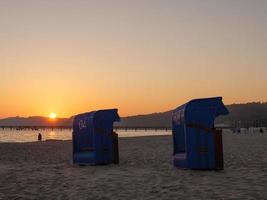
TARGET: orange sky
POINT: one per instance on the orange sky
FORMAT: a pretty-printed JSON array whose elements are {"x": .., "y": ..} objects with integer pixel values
[{"x": 69, "y": 57}]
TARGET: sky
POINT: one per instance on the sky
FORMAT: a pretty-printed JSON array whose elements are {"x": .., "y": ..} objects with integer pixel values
[{"x": 140, "y": 56}]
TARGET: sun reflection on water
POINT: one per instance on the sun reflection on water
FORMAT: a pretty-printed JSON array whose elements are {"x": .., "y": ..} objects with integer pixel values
[{"x": 51, "y": 135}]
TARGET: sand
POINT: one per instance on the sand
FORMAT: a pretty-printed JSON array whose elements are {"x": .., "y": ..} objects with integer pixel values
[{"x": 43, "y": 170}]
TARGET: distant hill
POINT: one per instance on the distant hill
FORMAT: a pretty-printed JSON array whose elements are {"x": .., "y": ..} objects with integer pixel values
[
  {"x": 35, "y": 121},
  {"x": 150, "y": 120},
  {"x": 244, "y": 115}
]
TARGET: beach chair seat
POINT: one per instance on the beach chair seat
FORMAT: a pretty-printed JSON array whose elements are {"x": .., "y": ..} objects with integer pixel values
[
  {"x": 84, "y": 157},
  {"x": 179, "y": 160}
]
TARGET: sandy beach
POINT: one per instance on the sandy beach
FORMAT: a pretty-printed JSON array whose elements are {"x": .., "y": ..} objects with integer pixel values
[{"x": 43, "y": 170}]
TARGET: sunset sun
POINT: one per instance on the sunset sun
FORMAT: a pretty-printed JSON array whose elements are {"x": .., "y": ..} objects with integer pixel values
[{"x": 53, "y": 116}]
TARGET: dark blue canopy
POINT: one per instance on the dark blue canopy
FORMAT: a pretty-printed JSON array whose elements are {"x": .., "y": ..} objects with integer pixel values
[{"x": 200, "y": 111}]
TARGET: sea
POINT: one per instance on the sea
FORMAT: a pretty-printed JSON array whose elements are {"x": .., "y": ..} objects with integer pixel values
[{"x": 29, "y": 135}]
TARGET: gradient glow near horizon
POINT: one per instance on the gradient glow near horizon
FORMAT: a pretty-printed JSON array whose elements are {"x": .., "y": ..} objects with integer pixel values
[{"x": 68, "y": 57}]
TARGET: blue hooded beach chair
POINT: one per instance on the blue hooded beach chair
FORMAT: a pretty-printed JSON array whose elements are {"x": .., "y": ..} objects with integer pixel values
[
  {"x": 196, "y": 142},
  {"x": 94, "y": 142}
]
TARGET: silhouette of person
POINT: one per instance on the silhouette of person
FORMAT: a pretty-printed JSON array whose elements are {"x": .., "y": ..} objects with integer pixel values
[{"x": 39, "y": 137}]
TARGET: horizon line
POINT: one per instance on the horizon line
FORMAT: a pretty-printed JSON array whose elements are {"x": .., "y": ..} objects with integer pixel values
[{"x": 253, "y": 102}]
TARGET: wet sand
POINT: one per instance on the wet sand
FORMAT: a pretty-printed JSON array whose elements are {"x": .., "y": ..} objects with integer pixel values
[{"x": 43, "y": 170}]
